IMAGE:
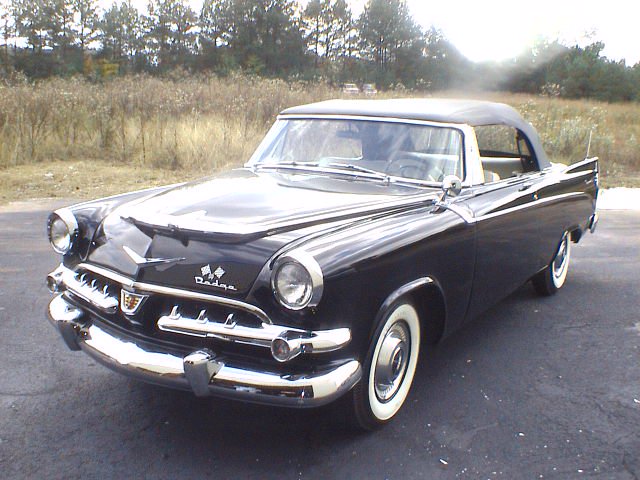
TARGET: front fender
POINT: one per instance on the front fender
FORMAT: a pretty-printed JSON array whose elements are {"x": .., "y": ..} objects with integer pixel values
[{"x": 369, "y": 263}]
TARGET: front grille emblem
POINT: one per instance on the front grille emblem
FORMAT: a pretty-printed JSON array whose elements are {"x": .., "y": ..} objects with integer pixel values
[{"x": 131, "y": 302}]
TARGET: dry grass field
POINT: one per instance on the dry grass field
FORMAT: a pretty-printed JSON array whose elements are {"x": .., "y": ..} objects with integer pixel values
[{"x": 72, "y": 138}]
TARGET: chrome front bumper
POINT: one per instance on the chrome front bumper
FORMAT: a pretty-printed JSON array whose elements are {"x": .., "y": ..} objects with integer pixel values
[{"x": 199, "y": 371}]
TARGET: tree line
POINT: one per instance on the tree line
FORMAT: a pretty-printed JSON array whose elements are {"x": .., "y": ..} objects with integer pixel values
[{"x": 321, "y": 39}]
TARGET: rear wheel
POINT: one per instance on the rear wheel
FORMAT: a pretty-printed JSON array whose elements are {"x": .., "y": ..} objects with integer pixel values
[
  {"x": 552, "y": 278},
  {"x": 389, "y": 367}
]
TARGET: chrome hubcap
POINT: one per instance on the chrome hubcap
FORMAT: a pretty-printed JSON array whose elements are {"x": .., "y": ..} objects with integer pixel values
[
  {"x": 392, "y": 361},
  {"x": 560, "y": 260}
]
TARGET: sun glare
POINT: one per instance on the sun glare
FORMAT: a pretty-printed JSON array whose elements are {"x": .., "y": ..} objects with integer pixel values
[{"x": 499, "y": 29}]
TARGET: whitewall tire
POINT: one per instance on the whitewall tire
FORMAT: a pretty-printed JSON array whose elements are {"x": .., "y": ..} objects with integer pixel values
[
  {"x": 389, "y": 367},
  {"x": 553, "y": 277}
]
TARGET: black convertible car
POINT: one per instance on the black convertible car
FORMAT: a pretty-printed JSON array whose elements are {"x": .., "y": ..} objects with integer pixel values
[{"x": 359, "y": 233}]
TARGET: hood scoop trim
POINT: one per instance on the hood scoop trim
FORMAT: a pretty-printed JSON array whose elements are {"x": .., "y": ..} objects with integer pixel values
[{"x": 143, "y": 262}]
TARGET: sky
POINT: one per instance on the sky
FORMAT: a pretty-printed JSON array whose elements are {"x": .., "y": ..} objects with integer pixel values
[{"x": 499, "y": 29}]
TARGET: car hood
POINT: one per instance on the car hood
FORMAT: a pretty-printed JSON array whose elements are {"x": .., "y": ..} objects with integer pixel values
[
  {"x": 244, "y": 203},
  {"x": 233, "y": 223}
]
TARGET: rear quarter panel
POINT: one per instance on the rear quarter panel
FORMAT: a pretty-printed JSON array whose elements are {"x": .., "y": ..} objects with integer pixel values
[{"x": 520, "y": 223}]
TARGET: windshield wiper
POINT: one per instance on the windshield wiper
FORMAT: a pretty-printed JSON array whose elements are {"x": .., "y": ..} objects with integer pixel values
[
  {"x": 349, "y": 167},
  {"x": 358, "y": 168},
  {"x": 318, "y": 167},
  {"x": 412, "y": 182},
  {"x": 296, "y": 165}
]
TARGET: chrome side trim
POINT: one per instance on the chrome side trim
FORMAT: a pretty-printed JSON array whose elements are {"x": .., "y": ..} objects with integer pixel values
[
  {"x": 581, "y": 163},
  {"x": 312, "y": 341},
  {"x": 580, "y": 173},
  {"x": 177, "y": 292},
  {"x": 464, "y": 213},
  {"x": 468, "y": 217},
  {"x": 536, "y": 203},
  {"x": 202, "y": 372}
]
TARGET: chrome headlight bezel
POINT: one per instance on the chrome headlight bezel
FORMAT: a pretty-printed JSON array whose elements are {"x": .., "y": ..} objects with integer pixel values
[
  {"x": 308, "y": 264},
  {"x": 68, "y": 219}
]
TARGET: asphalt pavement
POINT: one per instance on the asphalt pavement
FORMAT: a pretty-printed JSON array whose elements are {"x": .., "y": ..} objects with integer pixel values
[{"x": 534, "y": 388}]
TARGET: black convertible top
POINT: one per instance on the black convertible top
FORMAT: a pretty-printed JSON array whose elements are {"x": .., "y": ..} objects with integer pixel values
[{"x": 470, "y": 112}]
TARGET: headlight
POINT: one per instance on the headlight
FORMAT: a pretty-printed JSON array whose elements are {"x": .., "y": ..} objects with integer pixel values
[
  {"x": 60, "y": 236},
  {"x": 297, "y": 280},
  {"x": 292, "y": 284},
  {"x": 62, "y": 229}
]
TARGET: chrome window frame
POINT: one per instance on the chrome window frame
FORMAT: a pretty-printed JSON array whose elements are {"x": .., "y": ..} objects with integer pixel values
[{"x": 469, "y": 152}]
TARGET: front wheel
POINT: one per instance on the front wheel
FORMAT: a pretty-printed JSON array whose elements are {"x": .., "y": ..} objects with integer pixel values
[
  {"x": 389, "y": 367},
  {"x": 552, "y": 278}
]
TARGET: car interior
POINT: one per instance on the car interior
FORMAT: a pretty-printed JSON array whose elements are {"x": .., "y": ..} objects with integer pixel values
[
  {"x": 417, "y": 153},
  {"x": 504, "y": 152}
]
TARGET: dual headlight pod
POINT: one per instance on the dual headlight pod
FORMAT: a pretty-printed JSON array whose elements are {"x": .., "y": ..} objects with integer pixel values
[
  {"x": 297, "y": 280},
  {"x": 62, "y": 229}
]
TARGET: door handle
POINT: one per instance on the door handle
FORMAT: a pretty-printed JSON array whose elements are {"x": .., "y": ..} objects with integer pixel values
[{"x": 525, "y": 186}]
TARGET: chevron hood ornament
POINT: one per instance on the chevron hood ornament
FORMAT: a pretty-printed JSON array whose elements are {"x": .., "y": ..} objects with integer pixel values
[{"x": 143, "y": 262}]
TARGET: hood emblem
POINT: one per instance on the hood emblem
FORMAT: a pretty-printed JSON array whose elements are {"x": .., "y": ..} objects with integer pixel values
[
  {"x": 217, "y": 273},
  {"x": 143, "y": 262},
  {"x": 212, "y": 278},
  {"x": 131, "y": 302}
]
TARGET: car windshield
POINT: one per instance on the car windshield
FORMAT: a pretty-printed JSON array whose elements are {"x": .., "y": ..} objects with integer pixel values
[{"x": 380, "y": 148}]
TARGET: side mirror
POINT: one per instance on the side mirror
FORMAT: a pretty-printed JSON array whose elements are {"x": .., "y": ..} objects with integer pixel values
[{"x": 451, "y": 187}]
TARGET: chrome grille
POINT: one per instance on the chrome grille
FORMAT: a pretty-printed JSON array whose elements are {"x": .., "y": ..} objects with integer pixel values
[{"x": 91, "y": 289}]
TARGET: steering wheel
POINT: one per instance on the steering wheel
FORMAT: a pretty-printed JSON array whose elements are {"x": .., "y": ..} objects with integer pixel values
[{"x": 410, "y": 165}]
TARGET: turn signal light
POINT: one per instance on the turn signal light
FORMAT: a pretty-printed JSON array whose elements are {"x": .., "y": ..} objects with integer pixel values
[{"x": 284, "y": 349}]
